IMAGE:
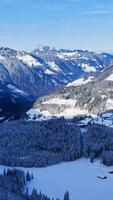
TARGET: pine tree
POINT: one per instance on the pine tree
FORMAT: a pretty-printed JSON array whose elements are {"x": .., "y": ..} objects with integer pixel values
[
  {"x": 66, "y": 196},
  {"x": 28, "y": 177}
]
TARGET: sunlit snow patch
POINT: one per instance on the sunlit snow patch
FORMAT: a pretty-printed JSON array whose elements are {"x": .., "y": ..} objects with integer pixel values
[
  {"x": 29, "y": 60},
  {"x": 80, "y": 81},
  {"x": 110, "y": 78},
  {"x": 88, "y": 68}
]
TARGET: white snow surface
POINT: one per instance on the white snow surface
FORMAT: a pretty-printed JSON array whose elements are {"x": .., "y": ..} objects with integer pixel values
[
  {"x": 69, "y": 112},
  {"x": 54, "y": 66},
  {"x": 109, "y": 104},
  {"x": 78, "y": 177},
  {"x": 88, "y": 68},
  {"x": 2, "y": 58},
  {"x": 68, "y": 102},
  {"x": 47, "y": 71},
  {"x": 72, "y": 112},
  {"x": 110, "y": 78},
  {"x": 37, "y": 115},
  {"x": 68, "y": 55},
  {"x": 80, "y": 81},
  {"x": 29, "y": 60}
]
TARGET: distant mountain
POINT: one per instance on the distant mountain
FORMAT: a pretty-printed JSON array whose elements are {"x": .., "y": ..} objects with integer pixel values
[
  {"x": 90, "y": 96},
  {"x": 24, "y": 71},
  {"x": 46, "y": 69},
  {"x": 65, "y": 66}
]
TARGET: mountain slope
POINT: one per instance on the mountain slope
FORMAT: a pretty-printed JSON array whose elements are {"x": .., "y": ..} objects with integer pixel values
[
  {"x": 47, "y": 69},
  {"x": 13, "y": 102},
  {"x": 89, "y": 98},
  {"x": 24, "y": 71}
]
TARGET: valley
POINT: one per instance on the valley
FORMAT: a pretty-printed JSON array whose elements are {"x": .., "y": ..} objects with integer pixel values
[{"x": 56, "y": 112}]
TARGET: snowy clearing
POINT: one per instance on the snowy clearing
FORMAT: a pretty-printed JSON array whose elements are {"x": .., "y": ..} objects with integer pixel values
[
  {"x": 71, "y": 54},
  {"x": 69, "y": 112},
  {"x": 110, "y": 78},
  {"x": 80, "y": 81},
  {"x": 78, "y": 177},
  {"x": 67, "y": 102},
  {"x": 72, "y": 112}
]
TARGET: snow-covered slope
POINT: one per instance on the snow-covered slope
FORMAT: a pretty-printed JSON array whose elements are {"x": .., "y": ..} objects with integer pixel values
[
  {"x": 80, "y": 81},
  {"x": 89, "y": 97}
]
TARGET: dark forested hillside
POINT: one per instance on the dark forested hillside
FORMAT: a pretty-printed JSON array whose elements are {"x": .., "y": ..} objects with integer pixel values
[
  {"x": 46, "y": 143},
  {"x": 38, "y": 144}
]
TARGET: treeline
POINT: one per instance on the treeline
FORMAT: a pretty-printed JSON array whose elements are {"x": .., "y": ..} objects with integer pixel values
[
  {"x": 39, "y": 144},
  {"x": 12, "y": 187}
]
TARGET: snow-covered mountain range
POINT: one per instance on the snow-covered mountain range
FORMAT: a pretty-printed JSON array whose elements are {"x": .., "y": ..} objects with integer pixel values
[{"x": 46, "y": 69}]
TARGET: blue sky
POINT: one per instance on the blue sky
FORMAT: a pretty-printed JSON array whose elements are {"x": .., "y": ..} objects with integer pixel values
[{"x": 75, "y": 24}]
